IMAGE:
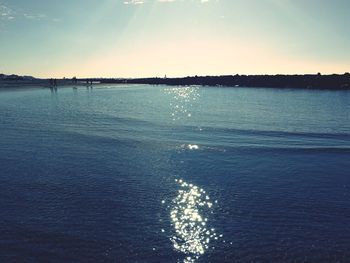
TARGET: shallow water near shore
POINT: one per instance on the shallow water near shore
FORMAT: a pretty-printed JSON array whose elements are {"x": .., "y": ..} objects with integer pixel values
[{"x": 118, "y": 173}]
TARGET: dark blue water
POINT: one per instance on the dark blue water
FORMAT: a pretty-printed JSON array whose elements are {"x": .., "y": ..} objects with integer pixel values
[{"x": 93, "y": 175}]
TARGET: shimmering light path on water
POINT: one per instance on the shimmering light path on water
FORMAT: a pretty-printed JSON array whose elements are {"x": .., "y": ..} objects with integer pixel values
[
  {"x": 192, "y": 234},
  {"x": 174, "y": 174},
  {"x": 188, "y": 216}
]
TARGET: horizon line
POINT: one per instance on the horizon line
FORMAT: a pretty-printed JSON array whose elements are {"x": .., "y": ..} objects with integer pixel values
[{"x": 178, "y": 76}]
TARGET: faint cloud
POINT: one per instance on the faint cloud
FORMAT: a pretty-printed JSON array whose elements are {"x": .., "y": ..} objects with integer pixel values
[
  {"x": 170, "y": 1},
  {"x": 35, "y": 16},
  {"x": 138, "y": 2},
  {"x": 6, "y": 13},
  {"x": 134, "y": 2},
  {"x": 56, "y": 20}
]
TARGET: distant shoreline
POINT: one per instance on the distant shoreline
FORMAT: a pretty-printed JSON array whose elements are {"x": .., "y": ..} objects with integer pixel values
[{"x": 316, "y": 81}]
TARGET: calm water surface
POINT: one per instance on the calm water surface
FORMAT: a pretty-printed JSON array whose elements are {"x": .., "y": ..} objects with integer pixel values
[{"x": 174, "y": 174}]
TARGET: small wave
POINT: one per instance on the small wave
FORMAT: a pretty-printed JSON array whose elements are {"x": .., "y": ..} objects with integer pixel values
[
  {"x": 290, "y": 149},
  {"x": 267, "y": 133}
]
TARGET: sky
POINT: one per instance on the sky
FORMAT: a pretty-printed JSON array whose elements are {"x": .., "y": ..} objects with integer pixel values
[{"x": 148, "y": 38}]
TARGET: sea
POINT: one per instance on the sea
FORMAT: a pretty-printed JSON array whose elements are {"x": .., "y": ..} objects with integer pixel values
[{"x": 141, "y": 173}]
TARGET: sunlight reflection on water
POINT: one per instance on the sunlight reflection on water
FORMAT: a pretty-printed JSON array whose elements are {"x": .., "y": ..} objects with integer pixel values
[
  {"x": 188, "y": 217},
  {"x": 189, "y": 209},
  {"x": 190, "y": 147},
  {"x": 182, "y": 100}
]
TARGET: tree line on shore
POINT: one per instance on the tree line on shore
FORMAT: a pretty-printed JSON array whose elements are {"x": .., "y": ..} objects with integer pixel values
[
  {"x": 316, "y": 81},
  {"x": 310, "y": 81}
]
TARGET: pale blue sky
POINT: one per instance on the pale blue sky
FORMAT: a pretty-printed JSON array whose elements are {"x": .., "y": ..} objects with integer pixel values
[{"x": 123, "y": 38}]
